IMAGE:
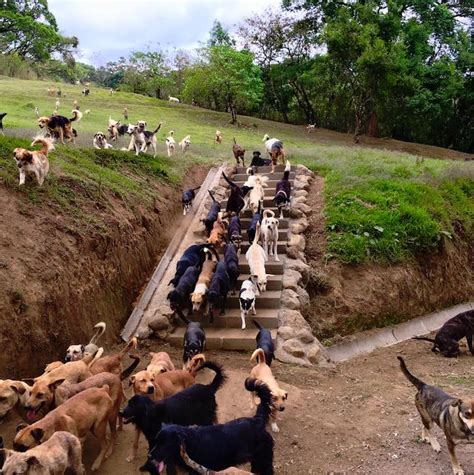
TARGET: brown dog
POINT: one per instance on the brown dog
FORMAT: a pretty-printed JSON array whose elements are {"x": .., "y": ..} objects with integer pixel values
[
  {"x": 263, "y": 372},
  {"x": 60, "y": 126},
  {"x": 239, "y": 153},
  {"x": 13, "y": 395},
  {"x": 160, "y": 363},
  {"x": 203, "y": 283},
  {"x": 219, "y": 232},
  {"x": 88, "y": 411},
  {"x": 34, "y": 161},
  {"x": 62, "y": 451}
]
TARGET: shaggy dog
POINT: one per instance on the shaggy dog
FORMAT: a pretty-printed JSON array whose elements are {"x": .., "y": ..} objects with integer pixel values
[
  {"x": 275, "y": 149},
  {"x": 60, "y": 126},
  {"x": 220, "y": 446},
  {"x": 35, "y": 162},
  {"x": 100, "y": 141}
]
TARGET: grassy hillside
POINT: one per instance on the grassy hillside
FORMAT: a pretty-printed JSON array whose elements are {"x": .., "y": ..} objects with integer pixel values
[{"x": 380, "y": 204}]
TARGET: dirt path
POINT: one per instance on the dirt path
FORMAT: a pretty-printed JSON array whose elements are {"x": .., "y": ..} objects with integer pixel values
[{"x": 356, "y": 418}]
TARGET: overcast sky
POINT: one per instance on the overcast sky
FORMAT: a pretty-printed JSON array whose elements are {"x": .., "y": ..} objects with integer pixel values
[{"x": 108, "y": 29}]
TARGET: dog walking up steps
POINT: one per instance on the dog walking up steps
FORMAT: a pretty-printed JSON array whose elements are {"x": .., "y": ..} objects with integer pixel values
[
  {"x": 453, "y": 415},
  {"x": 247, "y": 298}
]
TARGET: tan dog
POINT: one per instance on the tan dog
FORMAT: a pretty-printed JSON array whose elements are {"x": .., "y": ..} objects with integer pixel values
[
  {"x": 256, "y": 258},
  {"x": 88, "y": 411},
  {"x": 218, "y": 139},
  {"x": 160, "y": 363},
  {"x": 219, "y": 232},
  {"x": 13, "y": 395},
  {"x": 203, "y": 283},
  {"x": 34, "y": 161},
  {"x": 264, "y": 373},
  {"x": 62, "y": 451}
]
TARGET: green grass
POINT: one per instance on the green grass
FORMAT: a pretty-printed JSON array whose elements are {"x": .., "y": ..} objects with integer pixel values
[{"x": 380, "y": 205}]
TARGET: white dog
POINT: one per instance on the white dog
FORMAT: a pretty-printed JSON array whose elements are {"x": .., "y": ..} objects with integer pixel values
[
  {"x": 138, "y": 140},
  {"x": 270, "y": 233},
  {"x": 34, "y": 161},
  {"x": 185, "y": 143},
  {"x": 100, "y": 141},
  {"x": 257, "y": 193},
  {"x": 77, "y": 352},
  {"x": 170, "y": 144},
  {"x": 173, "y": 99},
  {"x": 256, "y": 258},
  {"x": 247, "y": 297}
]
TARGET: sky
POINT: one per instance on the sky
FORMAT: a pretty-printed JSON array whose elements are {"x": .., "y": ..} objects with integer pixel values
[{"x": 108, "y": 29}]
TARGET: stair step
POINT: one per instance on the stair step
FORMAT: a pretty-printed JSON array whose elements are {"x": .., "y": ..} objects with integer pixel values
[
  {"x": 270, "y": 183},
  {"x": 267, "y": 299},
  {"x": 223, "y": 338},
  {"x": 278, "y": 169},
  {"x": 267, "y": 317},
  {"x": 274, "y": 282},
  {"x": 281, "y": 247},
  {"x": 268, "y": 203},
  {"x": 272, "y": 176}
]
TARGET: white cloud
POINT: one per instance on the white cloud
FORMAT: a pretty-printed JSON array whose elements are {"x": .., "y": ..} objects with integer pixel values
[{"x": 108, "y": 29}]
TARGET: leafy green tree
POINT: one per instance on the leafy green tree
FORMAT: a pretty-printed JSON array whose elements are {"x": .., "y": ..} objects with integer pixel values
[{"x": 219, "y": 36}]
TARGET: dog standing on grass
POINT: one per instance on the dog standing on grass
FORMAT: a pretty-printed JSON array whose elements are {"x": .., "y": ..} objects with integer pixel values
[
  {"x": 170, "y": 143},
  {"x": 34, "y": 161},
  {"x": 185, "y": 143}
]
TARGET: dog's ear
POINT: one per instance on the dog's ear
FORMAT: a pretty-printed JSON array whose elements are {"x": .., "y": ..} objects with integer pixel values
[
  {"x": 132, "y": 380},
  {"x": 18, "y": 388},
  {"x": 32, "y": 461},
  {"x": 20, "y": 427},
  {"x": 285, "y": 396},
  {"x": 83, "y": 348},
  {"x": 52, "y": 387},
  {"x": 37, "y": 434},
  {"x": 457, "y": 403},
  {"x": 27, "y": 156}
]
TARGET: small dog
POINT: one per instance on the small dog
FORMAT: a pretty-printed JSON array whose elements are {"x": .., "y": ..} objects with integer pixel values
[
  {"x": 77, "y": 352},
  {"x": 265, "y": 342},
  {"x": 212, "y": 215},
  {"x": 62, "y": 451},
  {"x": 247, "y": 297},
  {"x": 218, "y": 234},
  {"x": 256, "y": 258},
  {"x": 231, "y": 259},
  {"x": 233, "y": 443},
  {"x": 257, "y": 192},
  {"x": 447, "y": 339},
  {"x": 239, "y": 153},
  {"x": 310, "y": 128},
  {"x": 275, "y": 150},
  {"x": 138, "y": 140},
  {"x": 264, "y": 373},
  {"x": 100, "y": 141},
  {"x": 270, "y": 233},
  {"x": 117, "y": 130},
  {"x": 60, "y": 126},
  {"x": 2, "y": 115},
  {"x": 173, "y": 99},
  {"x": 203, "y": 284},
  {"x": 150, "y": 136},
  {"x": 258, "y": 161},
  {"x": 179, "y": 297},
  {"x": 235, "y": 232},
  {"x": 194, "y": 342},
  {"x": 282, "y": 197},
  {"x": 235, "y": 202},
  {"x": 170, "y": 144},
  {"x": 218, "y": 290},
  {"x": 35, "y": 162},
  {"x": 453, "y": 415},
  {"x": 252, "y": 229},
  {"x": 188, "y": 198},
  {"x": 185, "y": 143},
  {"x": 218, "y": 139}
]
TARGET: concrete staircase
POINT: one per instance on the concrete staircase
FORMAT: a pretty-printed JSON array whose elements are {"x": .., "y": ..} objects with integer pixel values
[{"x": 225, "y": 332}]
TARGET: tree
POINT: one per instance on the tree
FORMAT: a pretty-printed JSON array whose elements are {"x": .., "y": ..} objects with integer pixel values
[
  {"x": 219, "y": 36},
  {"x": 29, "y": 30}
]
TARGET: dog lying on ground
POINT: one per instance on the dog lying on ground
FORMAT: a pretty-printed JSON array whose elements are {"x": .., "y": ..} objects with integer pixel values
[
  {"x": 100, "y": 141},
  {"x": 150, "y": 136},
  {"x": 170, "y": 144},
  {"x": 252, "y": 229},
  {"x": 90, "y": 410},
  {"x": 218, "y": 290},
  {"x": 219, "y": 232},
  {"x": 13, "y": 395},
  {"x": 188, "y": 198},
  {"x": 453, "y": 415},
  {"x": 195, "y": 405},
  {"x": 282, "y": 197},
  {"x": 256, "y": 258},
  {"x": 264, "y": 373},
  {"x": 447, "y": 339},
  {"x": 233, "y": 443},
  {"x": 265, "y": 342},
  {"x": 2, "y": 115},
  {"x": 60, "y": 126},
  {"x": 235, "y": 232},
  {"x": 247, "y": 297},
  {"x": 202, "y": 287},
  {"x": 258, "y": 161},
  {"x": 212, "y": 215},
  {"x": 194, "y": 342},
  {"x": 180, "y": 296},
  {"x": 61, "y": 452},
  {"x": 239, "y": 153},
  {"x": 34, "y": 161},
  {"x": 185, "y": 143},
  {"x": 77, "y": 352},
  {"x": 270, "y": 233},
  {"x": 235, "y": 202},
  {"x": 160, "y": 363},
  {"x": 231, "y": 260}
]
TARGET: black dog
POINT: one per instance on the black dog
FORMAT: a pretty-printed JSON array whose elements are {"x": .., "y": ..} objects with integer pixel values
[
  {"x": 180, "y": 297},
  {"x": 195, "y": 405},
  {"x": 212, "y": 214},
  {"x": 2, "y": 115},
  {"x": 194, "y": 341},
  {"x": 194, "y": 255},
  {"x": 447, "y": 339},
  {"x": 265, "y": 342},
  {"x": 188, "y": 198},
  {"x": 231, "y": 260},
  {"x": 283, "y": 192},
  {"x": 220, "y": 446},
  {"x": 218, "y": 290},
  {"x": 235, "y": 232},
  {"x": 235, "y": 202},
  {"x": 258, "y": 161},
  {"x": 252, "y": 229}
]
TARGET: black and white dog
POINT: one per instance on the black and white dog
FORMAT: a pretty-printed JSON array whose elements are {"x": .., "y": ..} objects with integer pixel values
[
  {"x": 2, "y": 115},
  {"x": 194, "y": 341},
  {"x": 235, "y": 232},
  {"x": 188, "y": 198},
  {"x": 282, "y": 197},
  {"x": 247, "y": 298}
]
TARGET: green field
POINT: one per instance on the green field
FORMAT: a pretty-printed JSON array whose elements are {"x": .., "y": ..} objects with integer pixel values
[{"x": 380, "y": 204}]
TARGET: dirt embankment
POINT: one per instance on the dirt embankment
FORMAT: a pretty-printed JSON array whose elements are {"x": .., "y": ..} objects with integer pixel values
[
  {"x": 60, "y": 273},
  {"x": 346, "y": 299}
]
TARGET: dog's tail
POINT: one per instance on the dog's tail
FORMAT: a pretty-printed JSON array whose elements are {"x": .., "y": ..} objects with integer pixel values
[
  {"x": 413, "y": 379},
  {"x": 424, "y": 338},
  {"x": 287, "y": 167},
  {"x": 101, "y": 326},
  {"x": 128, "y": 371},
  {"x": 220, "y": 377},
  {"x": 47, "y": 144},
  {"x": 257, "y": 324},
  {"x": 231, "y": 183},
  {"x": 235, "y": 142},
  {"x": 97, "y": 355},
  {"x": 158, "y": 128},
  {"x": 257, "y": 233},
  {"x": 76, "y": 116},
  {"x": 133, "y": 343},
  {"x": 268, "y": 213},
  {"x": 212, "y": 195},
  {"x": 195, "y": 189},
  {"x": 258, "y": 355},
  {"x": 263, "y": 392}
]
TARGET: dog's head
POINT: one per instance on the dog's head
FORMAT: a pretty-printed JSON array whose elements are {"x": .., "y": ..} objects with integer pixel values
[
  {"x": 100, "y": 138},
  {"x": 16, "y": 463},
  {"x": 141, "y": 124},
  {"x": 28, "y": 436},
  {"x": 137, "y": 409},
  {"x": 10, "y": 392},
  {"x": 43, "y": 122},
  {"x": 166, "y": 449},
  {"x": 279, "y": 398},
  {"x": 466, "y": 413},
  {"x": 131, "y": 129},
  {"x": 197, "y": 299},
  {"x": 74, "y": 353},
  {"x": 450, "y": 349},
  {"x": 42, "y": 396},
  {"x": 142, "y": 383},
  {"x": 22, "y": 157},
  {"x": 272, "y": 222}
]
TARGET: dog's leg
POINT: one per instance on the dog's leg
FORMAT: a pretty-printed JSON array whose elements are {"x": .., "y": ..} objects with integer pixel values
[
  {"x": 22, "y": 177},
  {"x": 242, "y": 317},
  {"x": 426, "y": 435},
  {"x": 75, "y": 460},
  {"x": 457, "y": 470},
  {"x": 275, "y": 249},
  {"x": 100, "y": 432},
  {"x": 469, "y": 343},
  {"x": 254, "y": 311},
  {"x": 136, "y": 439},
  {"x": 273, "y": 424},
  {"x": 113, "y": 433}
]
